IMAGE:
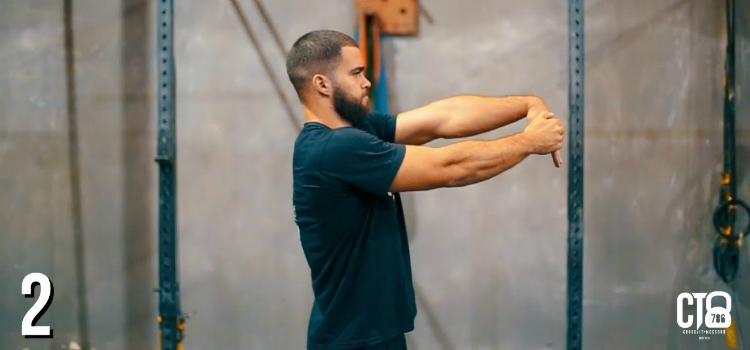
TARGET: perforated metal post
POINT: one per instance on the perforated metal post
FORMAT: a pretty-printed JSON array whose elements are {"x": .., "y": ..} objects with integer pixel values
[
  {"x": 729, "y": 184},
  {"x": 171, "y": 322},
  {"x": 575, "y": 175}
]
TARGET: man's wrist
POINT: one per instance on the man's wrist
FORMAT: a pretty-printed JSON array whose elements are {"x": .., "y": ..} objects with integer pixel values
[
  {"x": 536, "y": 106},
  {"x": 524, "y": 141}
]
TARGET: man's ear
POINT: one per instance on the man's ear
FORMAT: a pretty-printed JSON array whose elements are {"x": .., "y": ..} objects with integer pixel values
[{"x": 322, "y": 84}]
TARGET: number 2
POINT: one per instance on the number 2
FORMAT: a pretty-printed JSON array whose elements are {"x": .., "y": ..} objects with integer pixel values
[{"x": 29, "y": 329}]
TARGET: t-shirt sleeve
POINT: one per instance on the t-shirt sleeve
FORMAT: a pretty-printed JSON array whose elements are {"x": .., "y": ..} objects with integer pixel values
[
  {"x": 384, "y": 126},
  {"x": 362, "y": 160}
]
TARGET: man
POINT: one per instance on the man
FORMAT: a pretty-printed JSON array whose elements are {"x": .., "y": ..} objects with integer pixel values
[{"x": 348, "y": 163}]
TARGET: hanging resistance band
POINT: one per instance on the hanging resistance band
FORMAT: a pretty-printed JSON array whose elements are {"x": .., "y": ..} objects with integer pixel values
[
  {"x": 725, "y": 218},
  {"x": 171, "y": 322},
  {"x": 575, "y": 175},
  {"x": 368, "y": 37}
]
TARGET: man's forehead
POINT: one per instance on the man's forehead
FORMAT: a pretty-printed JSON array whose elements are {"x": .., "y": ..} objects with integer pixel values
[{"x": 351, "y": 57}]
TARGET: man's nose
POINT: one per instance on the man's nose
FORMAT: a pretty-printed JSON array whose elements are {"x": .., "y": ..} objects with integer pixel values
[{"x": 366, "y": 84}]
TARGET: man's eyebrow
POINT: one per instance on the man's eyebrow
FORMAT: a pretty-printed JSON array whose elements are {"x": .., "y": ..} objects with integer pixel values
[{"x": 357, "y": 69}]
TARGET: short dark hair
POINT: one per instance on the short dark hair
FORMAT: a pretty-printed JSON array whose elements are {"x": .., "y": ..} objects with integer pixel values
[{"x": 316, "y": 52}]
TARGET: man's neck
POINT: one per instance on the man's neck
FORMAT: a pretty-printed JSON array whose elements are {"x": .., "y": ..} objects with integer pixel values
[{"x": 325, "y": 115}]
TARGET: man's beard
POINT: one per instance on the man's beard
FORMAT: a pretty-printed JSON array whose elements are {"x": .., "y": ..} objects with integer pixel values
[{"x": 349, "y": 109}]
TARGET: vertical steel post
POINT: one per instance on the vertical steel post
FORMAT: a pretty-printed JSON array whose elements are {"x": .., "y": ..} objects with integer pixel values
[
  {"x": 171, "y": 322},
  {"x": 575, "y": 174}
]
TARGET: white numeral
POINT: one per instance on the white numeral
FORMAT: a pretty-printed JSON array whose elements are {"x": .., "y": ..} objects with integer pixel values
[{"x": 29, "y": 329}]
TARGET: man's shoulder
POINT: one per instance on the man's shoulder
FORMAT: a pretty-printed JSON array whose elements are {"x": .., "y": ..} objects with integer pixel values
[
  {"x": 382, "y": 125},
  {"x": 350, "y": 133},
  {"x": 322, "y": 143},
  {"x": 346, "y": 138}
]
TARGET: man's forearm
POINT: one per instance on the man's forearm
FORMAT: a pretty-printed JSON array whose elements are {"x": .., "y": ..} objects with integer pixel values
[
  {"x": 475, "y": 161},
  {"x": 470, "y": 115}
]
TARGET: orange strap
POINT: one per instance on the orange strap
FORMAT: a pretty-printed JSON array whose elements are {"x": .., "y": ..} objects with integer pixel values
[{"x": 363, "y": 43}]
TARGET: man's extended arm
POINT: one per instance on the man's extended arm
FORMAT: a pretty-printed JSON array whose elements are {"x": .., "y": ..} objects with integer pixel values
[
  {"x": 468, "y": 162},
  {"x": 463, "y": 116}
]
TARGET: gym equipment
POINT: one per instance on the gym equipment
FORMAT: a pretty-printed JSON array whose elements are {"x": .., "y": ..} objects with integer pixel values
[
  {"x": 725, "y": 218},
  {"x": 171, "y": 321},
  {"x": 575, "y": 174}
]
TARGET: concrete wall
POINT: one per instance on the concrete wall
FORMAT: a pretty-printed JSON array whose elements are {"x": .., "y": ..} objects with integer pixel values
[{"x": 489, "y": 259}]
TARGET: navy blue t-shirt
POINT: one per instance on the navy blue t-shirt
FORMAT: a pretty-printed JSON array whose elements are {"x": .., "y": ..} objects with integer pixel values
[{"x": 353, "y": 234}]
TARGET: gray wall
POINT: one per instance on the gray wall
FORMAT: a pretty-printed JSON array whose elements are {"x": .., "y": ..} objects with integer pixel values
[{"x": 489, "y": 259}]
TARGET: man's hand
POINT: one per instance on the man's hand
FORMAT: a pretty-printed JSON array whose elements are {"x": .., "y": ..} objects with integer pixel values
[
  {"x": 536, "y": 109},
  {"x": 540, "y": 110},
  {"x": 545, "y": 133}
]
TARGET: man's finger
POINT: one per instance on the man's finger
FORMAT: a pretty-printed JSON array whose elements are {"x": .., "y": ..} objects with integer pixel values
[
  {"x": 557, "y": 159},
  {"x": 544, "y": 114}
]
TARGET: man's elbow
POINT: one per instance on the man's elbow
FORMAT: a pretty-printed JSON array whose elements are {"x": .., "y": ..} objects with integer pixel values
[
  {"x": 451, "y": 132},
  {"x": 453, "y": 128},
  {"x": 426, "y": 168},
  {"x": 448, "y": 176}
]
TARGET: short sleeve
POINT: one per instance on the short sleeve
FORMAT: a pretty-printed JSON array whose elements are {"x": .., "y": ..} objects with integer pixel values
[
  {"x": 362, "y": 160},
  {"x": 383, "y": 125}
]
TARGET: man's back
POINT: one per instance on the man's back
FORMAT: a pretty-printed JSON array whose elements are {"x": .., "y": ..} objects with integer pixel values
[{"x": 352, "y": 233}]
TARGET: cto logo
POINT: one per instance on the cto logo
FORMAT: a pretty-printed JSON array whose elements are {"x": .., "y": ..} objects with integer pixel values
[{"x": 714, "y": 316}]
